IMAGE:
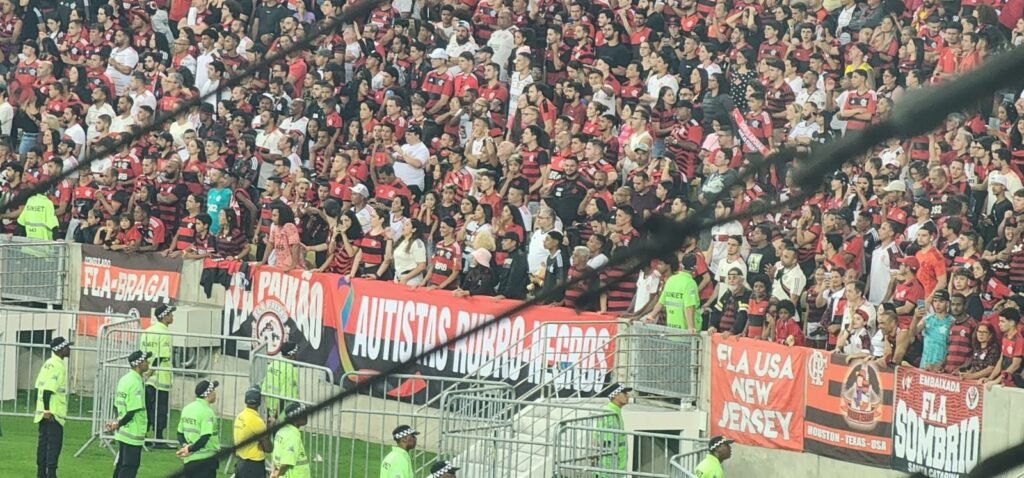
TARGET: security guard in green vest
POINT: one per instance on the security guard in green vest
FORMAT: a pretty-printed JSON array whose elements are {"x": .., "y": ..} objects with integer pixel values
[
  {"x": 52, "y": 407},
  {"x": 613, "y": 441},
  {"x": 157, "y": 343},
  {"x": 442, "y": 469},
  {"x": 719, "y": 450},
  {"x": 680, "y": 298},
  {"x": 290, "y": 459},
  {"x": 130, "y": 427},
  {"x": 38, "y": 217},
  {"x": 281, "y": 382},
  {"x": 397, "y": 463},
  {"x": 199, "y": 433}
]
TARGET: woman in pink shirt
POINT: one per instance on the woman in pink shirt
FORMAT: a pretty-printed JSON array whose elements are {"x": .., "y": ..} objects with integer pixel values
[{"x": 284, "y": 249}]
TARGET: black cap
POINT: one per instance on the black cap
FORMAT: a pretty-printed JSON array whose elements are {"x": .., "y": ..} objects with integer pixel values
[
  {"x": 59, "y": 343},
  {"x": 511, "y": 236},
  {"x": 941, "y": 294},
  {"x": 617, "y": 388},
  {"x": 289, "y": 348},
  {"x": 293, "y": 409},
  {"x": 718, "y": 441},
  {"x": 205, "y": 387},
  {"x": 924, "y": 202},
  {"x": 841, "y": 176},
  {"x": 253, "y": 395},
  {"x": 163, "y": 310},
  {"x": 137, "y": 357},
  {"x": 403, "y": 431},
  {"x": 689, "y": 262},
  {"x": 414, "y": 129},
  {"x": 441, "y": 468}
]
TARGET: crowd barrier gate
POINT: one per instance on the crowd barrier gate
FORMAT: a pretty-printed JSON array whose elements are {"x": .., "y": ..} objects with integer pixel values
[
  {"x": 25, "y": 335},
  {"x": 683, "y": 464},
  {"x": 33, "y": 271},
  {"x": 399, "y": 399},
  {"x": 290, "y": 381},
  {"x": 585, "y": 447}
]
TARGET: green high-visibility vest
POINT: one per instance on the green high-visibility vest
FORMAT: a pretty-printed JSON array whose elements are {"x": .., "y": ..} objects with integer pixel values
[
  {"x": 282, "y": 381},
  {"x": 156, "y": 340},
  {"x": 53, "y": 378},
  {"x": 680, "y": 292},
  {"x": 198, "y": 419},
  {"x": 38, "y": 217},
  {"x": 289, "y": 450},
  {"x": 131, "y": 396},
  {"x": 397, "y": 464},
  {"x": 711, "y": 467},
  {"x": 612, "y": 444}
]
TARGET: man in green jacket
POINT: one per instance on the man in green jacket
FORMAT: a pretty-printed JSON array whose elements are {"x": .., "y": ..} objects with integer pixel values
[
  {"x": 289, "y": 458},
  {"x": 719, "y": 450},
  {"x": 199, "y": 433},
  {"x": 680, "y": 299},
  {"x": 281, "y": 382},
  {"x": 398, "y": 462},
  {"x": 156, "y": 341},
  {"x": 52, "y": 407},
  {"x": 613, "y": 441},
  {"x": 130, "y": 427}
]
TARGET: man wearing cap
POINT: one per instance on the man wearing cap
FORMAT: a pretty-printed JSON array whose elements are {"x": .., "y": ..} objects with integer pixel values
[
  {"x": 290, "y": 460},
  {"x": 282, "y": 381},
  {"x": 156, "y": 343},
  {"x": 130, "y": 427},
  {"x": 515, "y": 269},
  {"x": 719, "y": 450},
  {"x": 613, "y": 439},
  {"x": 934, "y": 328},
  {"x": 438, "y": 84},
  {"x": 442, "y": 469},
  {"x": 680, "y": 298},
  {"x": 199, "y": 432},
  {"x": 52, "y": 407},
  {"x": 248, "y": 424},
  {"x": 462, "y": 41},
  {"x": 397, "y": 463}
]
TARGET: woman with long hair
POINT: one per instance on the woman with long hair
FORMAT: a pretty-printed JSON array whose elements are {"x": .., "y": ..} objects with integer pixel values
[
  {"x": 741, "y": 75},
  {"x": 231, "y": 240},
  {"x": 984, "y": 353},
  {"x": 410, "y": 254},
  {"x": 284, "y": 250},
  {"x": 376, "y": 246},
  {"x": 343, "y": 252}
]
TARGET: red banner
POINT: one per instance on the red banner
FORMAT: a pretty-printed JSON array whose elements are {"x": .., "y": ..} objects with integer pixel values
[
  {"x": 119, "y": 283},
  {"x": 849, "y": 409},
  {"x": 757, "y": 392},
  {"x": 368, "y": 326},
  {"x": 937, "y": 423}
]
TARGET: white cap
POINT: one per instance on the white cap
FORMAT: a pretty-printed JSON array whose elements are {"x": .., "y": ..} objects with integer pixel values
[
  {"x": 997, "y": 179},
  {"x": 438, "y": 54},
  {"x": 897, "y": 186},
  {"x": 361, "y": 190}
]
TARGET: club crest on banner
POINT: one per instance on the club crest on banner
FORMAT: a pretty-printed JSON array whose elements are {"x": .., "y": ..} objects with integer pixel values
[
  {"x": 269, "y": 318},
  {"x": 862, "y": 397},
  {"x": 816, "y": 367}
]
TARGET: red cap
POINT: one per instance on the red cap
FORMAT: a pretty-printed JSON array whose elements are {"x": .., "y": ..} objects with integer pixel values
[{"x": 910, "y": 261}]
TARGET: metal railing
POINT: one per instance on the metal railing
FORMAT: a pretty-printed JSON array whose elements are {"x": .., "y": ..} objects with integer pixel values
[
  {"x": 491, "y": 436},
  {"x": 401, "y": 399},
  {"x": 594, "y": 446},
  {"x": 285, "y": 381},
  {"x": 683, "y": 464},
  {"x": 664, "y": 361},
  {"x": 25, "y": 334},
  {"x": 33, "y": 271}
]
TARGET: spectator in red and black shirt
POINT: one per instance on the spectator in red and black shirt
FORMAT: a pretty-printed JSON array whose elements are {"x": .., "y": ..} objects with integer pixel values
[{"x": 961, "y": 335}]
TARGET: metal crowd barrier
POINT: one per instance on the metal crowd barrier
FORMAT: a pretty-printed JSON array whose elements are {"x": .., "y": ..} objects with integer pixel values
[
  {"x": 284, "y": 381},
  {"x": 33, "y": 271},
  {"x": 490, "y": 436},
  {"x": 25, "y": 334},
  {"x": 585, "y": 447},
  {"x": 664, "y": 361},
  {"x": 683, "y": 464},
  {"x": 416, "y": 400}
]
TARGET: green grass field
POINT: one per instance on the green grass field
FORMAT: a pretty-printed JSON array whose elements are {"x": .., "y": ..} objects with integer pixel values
[{"x": 18, "y": 451}]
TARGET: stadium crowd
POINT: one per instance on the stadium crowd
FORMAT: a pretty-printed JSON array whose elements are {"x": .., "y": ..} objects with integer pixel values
[{"x": 495, "y": 148}]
